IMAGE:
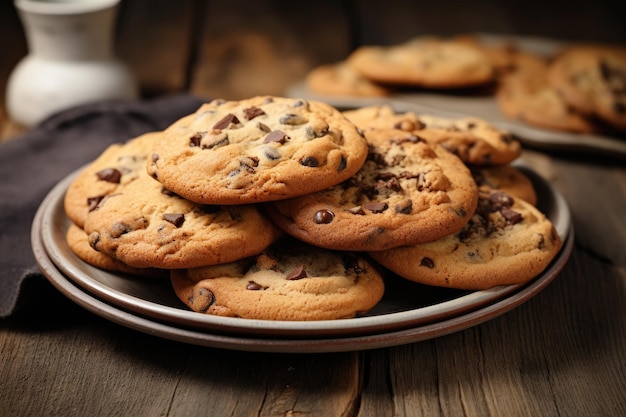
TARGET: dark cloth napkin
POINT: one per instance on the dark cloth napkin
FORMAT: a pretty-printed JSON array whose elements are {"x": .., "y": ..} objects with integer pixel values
[{"x": 32, "y": 164}]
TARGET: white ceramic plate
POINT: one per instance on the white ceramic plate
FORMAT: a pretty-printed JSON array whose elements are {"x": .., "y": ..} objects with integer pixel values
[
  {"x": 451, "y": 105},
  {"x": 405, "y": 304}
]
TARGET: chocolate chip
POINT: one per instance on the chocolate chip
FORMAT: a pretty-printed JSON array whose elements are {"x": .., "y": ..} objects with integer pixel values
[
  {"x": 376, "y": 206},
  {"x": 177, "y": 219},
  {"x": 404, "y": 207},
  {"x": 271, "y": 153},
  {"x": 249, "y": 163},
  {"x": 253, "y": 286},
  {"x": 427, "y": 262},
  {"x": 300, "y": 103},
  {"x": 154, "y": 157},
  {"x": 511, "y": 216},
  {"x": 94, "y": 239},
  {"x": 542, "y": 241},
  {"x": 324, "y": 217},
  {"x": 92, "y": 202},
  {"x": 252, "y": 112},
  {"x": 342, "y": 164},
  {"x": 499, "y": 200},
  {"x": 263, "y": 127},
  {"x": 309, "y": 161},
  {"x": 196, "y": 138},
  {"x": 377, "y": 158},
  {"x": 120, "y": 229},
  {"x": 292, "y": 119},
  {"x": 277, "y": 136},
  {"x": 205, "y": 296},
  {"x": 297, "y": 273},
  {"x": 111, "y": 175},
  {"x": 226, "y": 121}
]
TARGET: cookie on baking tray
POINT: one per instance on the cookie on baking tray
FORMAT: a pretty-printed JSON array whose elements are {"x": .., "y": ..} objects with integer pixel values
[
  {"x": 118, "y": 165},
  {"x": 408, "y": 191},
  {"x": 256, "y": 150},
  {"x": 592, "y": 80},
  {"x": 78, "y": 243},
  {"x": 288, "y": 281},
  {"x": 145, "y": 225},
  {"x": 424, "y": 61},
  {"x": 472, "y": 139},
  {"x": 340, "y": 79},
  {"x": 507, "y": 241}
]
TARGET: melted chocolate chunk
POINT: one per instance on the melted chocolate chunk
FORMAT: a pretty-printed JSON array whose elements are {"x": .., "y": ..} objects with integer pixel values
[
  {"x": 177, "y": 219},
  {"x": 249, "y": 163},
  {"x": 263, "y": 127},
  {"x": 499, "y": 200},
  {"x": 111, "y": 175},
  {"x": 277, "y": 136},
  {"x": 92, "y": 202},
  {"x": 309, "y": 161},
  {"x": 511, "y": 216},
  {"x": 120, "y": 229},
  {"x": 196, "y": 138},
  {"x": 226, "y": 121},
  {"x": 297, "y": 273},
  {"x": 252, "y": 112},
  {"x": 271, "y": 153},
  {"x": 427, "y": 262},
  {"x": 324, "y": 217},
  {"x": 253, "y": 286},
  {"x": 342, "y": 164},
  {"x": 377, "y": 158},
  {"x": 376, "y": 206}
]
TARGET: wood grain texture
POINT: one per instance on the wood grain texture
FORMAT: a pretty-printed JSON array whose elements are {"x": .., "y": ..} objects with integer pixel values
[{"x": 559, "y": 354}]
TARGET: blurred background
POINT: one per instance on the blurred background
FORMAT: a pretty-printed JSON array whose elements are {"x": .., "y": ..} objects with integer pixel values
[{"x": 236, "y": 48}]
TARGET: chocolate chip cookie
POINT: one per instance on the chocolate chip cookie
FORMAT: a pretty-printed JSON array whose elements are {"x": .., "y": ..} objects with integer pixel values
[
  {"x": 288, "y": 281},
  {"x": 408, "y": 191},
  {"x": 340, "y": 79},
  {"x": 425, "y": 62},
  {"x": 256, "y": 150},
  {"x": 118, "y": 165},
  {"x": 592, "y": 79},
  {"x": 472, "y": 139},
  {"x": 507, "y": 241},
  {"x": 145, "y": 225},
  {"x": 528, "y": 96}
]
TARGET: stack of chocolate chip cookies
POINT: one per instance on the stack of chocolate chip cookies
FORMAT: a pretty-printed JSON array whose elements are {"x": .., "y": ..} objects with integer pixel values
[
  {"x": 581, "y": 89},
  {"x": 285, "y": 209}
]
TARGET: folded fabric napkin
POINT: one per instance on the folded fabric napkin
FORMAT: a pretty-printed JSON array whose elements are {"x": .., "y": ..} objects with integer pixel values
[{"x": 32, "y": 164}]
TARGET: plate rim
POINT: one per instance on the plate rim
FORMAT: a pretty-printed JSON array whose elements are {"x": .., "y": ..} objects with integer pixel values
[
  {"x": 310, "y": 329},
  {"x": 284, "y": 345}
]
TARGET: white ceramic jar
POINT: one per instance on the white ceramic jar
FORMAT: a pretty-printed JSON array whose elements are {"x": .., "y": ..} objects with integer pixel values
[{"x": 70, "y": 61}]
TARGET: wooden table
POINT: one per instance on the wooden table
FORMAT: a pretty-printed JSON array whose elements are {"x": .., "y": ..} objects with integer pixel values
[{"x": 561, "y": 353}]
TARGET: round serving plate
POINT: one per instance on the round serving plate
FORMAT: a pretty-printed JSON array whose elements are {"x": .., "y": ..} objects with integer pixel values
[
  {"x": 405, "y": 304},
  {"x": 293, "y": 344}
]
